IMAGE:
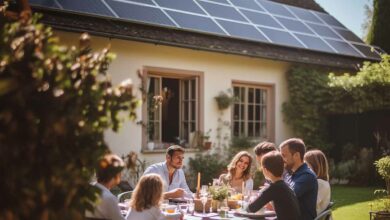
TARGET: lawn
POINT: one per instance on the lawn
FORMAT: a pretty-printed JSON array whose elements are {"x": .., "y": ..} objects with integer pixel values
[{"x": 352, "y": 203}]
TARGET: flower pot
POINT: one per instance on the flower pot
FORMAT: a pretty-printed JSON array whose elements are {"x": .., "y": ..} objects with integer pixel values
[
  {"x": 150, "y": 145},
  {"x": 207, "y": 145}
]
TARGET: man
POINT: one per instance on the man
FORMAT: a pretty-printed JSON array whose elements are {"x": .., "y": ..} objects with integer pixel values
[
  {"x": 263, "y": 148},
  {"x": 301, "y": 178},
  {"x": 175, "y": 184}
]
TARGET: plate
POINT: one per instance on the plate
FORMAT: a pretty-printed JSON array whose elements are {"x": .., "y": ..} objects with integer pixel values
[{"x": 255, "y": 215}]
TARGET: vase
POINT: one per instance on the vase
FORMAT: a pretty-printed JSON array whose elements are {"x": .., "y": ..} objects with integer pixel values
[{"x": 150, "y": 145}]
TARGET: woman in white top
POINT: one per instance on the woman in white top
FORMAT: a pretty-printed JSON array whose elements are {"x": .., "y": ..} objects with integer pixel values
[
  {"x": 146, "y": 199},
  {"x": 239, "y": 172},
  {"x": 317, "y": 161},
  {"x": 108, "y": 175}
]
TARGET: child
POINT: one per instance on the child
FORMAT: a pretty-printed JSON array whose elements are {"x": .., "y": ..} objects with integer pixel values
[
  {"x": 285, "y": 202},
  {"x": 146, "y": 199}
]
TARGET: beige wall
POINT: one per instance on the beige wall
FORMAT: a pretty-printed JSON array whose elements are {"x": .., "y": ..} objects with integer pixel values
[{"x": 219, "y": 72}]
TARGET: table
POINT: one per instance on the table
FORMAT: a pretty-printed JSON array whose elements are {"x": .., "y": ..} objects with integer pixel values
[{"x": 231, "y": 215}]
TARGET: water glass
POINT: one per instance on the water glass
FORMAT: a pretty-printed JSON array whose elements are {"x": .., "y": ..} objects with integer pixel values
[
  {"x": 191, "y": 206},
  {"x": 183, "y": 208},
  {"x": 164, "y": 205}
]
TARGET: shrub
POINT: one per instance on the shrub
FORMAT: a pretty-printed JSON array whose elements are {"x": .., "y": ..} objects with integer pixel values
[
  {"x": 56, "y": 103},
  {"x": 209, "y": 165}
]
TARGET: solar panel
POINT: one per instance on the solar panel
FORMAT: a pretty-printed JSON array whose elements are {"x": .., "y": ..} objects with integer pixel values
[
  {"x": 86, "y": 6},
  {"x": 281, "y": 37},
  {"x": 148, "y": 2},
  {"x": 242, "y": 30},
  {"x": 256, "y": 20},
  {"x": 187, "y": 5},
  {"x": 324, "y": 31},
  {"x": 305, "y": 15},
  {"x": 275, "y": 8},
  {"x": 343, "y": 47},
  {"x": 140, "y": 13},
  {"x": 314, "y": 43},
  {"x": 261, "y": 19},
  {"x": 195, "y": 22},
  {"x": 294, "y": 25},
  {"x": 250, "y": 4},
  {"x": 222, "y": 11}
]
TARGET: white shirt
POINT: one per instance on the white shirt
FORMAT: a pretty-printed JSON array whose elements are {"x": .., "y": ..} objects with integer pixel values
[
  {"x": 178, "y": 179},
  {"x": 107, "y": 207},
  {"x": 153, "y": 213},
  {"x": 323, "y": 196}
]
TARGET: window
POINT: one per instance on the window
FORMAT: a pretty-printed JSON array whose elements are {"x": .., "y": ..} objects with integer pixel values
[
  {"x": 251, "y": 114},
  {"x": 177, "y": 119}
]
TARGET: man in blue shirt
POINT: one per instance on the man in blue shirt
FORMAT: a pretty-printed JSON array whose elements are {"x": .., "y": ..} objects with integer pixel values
[
  {"x": 175, "y": 184},
  {"x": 301, "y": 178}
]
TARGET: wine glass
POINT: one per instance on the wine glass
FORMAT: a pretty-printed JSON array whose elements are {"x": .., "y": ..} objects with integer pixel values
[
  {"x": 183, "y": 208},
  {"x": 203, "y": 199}
]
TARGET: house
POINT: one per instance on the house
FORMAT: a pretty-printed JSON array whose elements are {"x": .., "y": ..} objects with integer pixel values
[{"x": 188, "y": 51}]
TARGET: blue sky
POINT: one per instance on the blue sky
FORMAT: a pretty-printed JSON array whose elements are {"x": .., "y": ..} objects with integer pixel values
[{"x": 349, "y": 12}]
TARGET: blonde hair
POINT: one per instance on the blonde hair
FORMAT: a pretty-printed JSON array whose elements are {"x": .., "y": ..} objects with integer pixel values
[
  {"x": 232, "y": 166},
  {"x": 147, "y": 193},
  {"x": 316, "y": 159}
]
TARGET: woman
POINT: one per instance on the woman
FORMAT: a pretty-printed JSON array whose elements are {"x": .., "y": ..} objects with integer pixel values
[
  {"x": 239, "y": 172},
  {"x": 146, "y": 199},
  {"x": 317, "y": 161},
  {"x": 108, "y": 175}
]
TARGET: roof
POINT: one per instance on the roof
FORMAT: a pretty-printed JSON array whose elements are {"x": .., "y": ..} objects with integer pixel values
[{"x": 267, "y": 30}]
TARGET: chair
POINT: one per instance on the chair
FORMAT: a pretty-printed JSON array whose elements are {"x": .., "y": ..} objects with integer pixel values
[
  {"x": 325, "y": 215},
  {"x": 330, "y": 205},
  {"x": 125, "y": 195}
]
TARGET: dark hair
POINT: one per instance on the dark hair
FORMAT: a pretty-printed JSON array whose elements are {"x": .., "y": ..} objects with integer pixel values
[
  {"x": 317, "y": 161},
  {"x": 172, "y": 149},
  {"x": 264, "y": 147},
  {"x": 295, "y": 145},
  {"x": 273, "y": 162},
  {"x": 109, "y": 166}
]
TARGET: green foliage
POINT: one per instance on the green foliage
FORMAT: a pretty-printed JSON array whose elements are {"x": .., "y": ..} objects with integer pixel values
[
  {"x": 238, "y": 144},
  {"x": 382, "y": 201},
  {"x": 314, "y": 94},
  {"x": 56, "y": 102},
  {"x": 379, "y": 34},
  {"x": 209, "y": 165},
  {"x": 219, "y": 192},
  {"x": 383, "y": 167},
  {"x": 224, "y": 99}
]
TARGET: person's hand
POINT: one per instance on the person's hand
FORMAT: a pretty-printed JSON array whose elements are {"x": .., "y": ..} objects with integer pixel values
[
  {"x": 269, "y": 206},
  {"x": 176, "y": 193}
]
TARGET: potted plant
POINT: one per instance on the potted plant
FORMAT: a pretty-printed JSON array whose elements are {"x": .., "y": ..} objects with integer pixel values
[
  {"x": 382, "y": 203},
  {"x": 206, "y": 140},
  {"x": 224, "y": 99},
  {"x": 219, "y": 195}
]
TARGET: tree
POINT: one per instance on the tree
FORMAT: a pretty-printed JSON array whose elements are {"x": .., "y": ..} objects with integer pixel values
[
  {"x": 379, "y": 34},
  {"x": 56, "y": 102},
  {"x": 366, "y": 26}
]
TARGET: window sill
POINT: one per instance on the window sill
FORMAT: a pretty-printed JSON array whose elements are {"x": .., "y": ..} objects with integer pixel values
[{"x": 161, "y": 151}]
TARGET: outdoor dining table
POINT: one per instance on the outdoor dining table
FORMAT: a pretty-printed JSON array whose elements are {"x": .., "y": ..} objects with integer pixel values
[{"x": 231, "y": 215}]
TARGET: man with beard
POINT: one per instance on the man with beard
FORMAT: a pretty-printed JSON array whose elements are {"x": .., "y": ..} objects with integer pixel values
[
  {"x": 175, "y": 184},
  {"x": 301, "y": 178}
]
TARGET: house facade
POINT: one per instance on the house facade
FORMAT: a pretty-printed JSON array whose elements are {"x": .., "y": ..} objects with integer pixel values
[{"x": 188, "y": 69}]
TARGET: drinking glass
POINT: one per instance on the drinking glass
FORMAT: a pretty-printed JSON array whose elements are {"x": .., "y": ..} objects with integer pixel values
[
  {"x": 183, "y": 208},
  {"x": 164, "y": 205},
  {"x": 203, "y": 199},
  {"x": 191, "y": 206},
  {"x": 204, "y": 189}
]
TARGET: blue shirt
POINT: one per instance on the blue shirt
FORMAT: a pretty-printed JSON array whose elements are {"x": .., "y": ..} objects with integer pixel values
[
  {"x": 304, "y": 183},
  {"x": 178, "y": 179}
]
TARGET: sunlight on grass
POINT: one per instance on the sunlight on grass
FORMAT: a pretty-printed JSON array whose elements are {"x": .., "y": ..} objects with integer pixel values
[{"x": 352, "y": 203}]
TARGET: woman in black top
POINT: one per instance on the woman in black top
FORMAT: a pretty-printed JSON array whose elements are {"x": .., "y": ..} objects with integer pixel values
[{"x": 284, "y": 200}]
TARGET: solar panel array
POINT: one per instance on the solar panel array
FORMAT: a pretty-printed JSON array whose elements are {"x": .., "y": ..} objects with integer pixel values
[{"x": 255, "y": 20}]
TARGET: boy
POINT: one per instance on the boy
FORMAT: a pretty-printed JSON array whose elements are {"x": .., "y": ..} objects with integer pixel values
[{"x": 285, "y": 202}]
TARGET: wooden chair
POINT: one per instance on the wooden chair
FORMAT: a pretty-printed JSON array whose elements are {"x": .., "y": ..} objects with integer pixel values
[{"x": 325, "y": 215}]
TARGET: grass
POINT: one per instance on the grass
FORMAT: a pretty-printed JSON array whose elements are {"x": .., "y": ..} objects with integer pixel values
[{"x": 352, "y": 203}]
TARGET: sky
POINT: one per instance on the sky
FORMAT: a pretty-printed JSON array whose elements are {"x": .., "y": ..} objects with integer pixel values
[{"x": 349, "y": 12}]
